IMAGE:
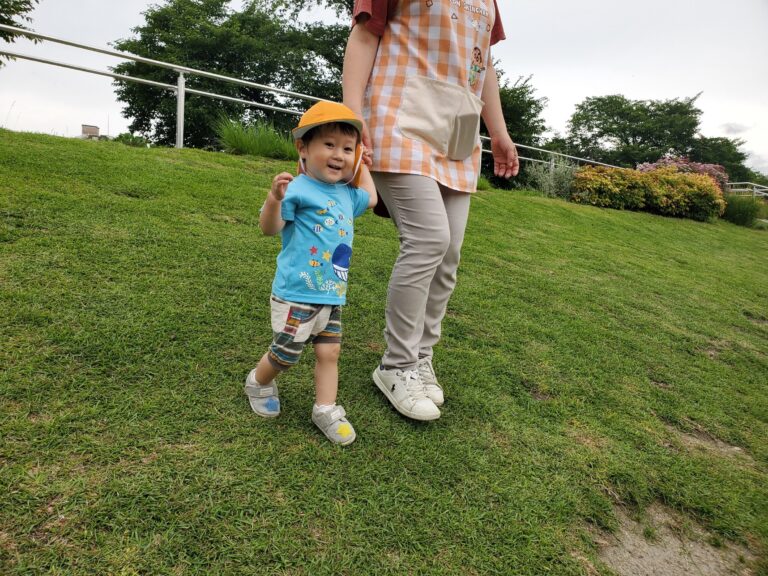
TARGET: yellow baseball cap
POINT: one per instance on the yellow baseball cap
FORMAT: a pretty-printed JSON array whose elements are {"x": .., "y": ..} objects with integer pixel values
[{"x": 323, "y": 113}]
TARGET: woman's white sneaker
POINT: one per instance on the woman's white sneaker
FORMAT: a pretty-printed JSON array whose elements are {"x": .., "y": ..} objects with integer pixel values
[
  {"x": 431, "y": 386},
  {"x": 405, "y": 390}
]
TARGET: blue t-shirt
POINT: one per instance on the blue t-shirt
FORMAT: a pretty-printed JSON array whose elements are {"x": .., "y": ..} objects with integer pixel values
[{"x": 317, "y": 238}]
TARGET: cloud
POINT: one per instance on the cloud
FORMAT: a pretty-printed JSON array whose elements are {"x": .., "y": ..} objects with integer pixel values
[
  {"x": 757, "y": 162},
  {"x": 734, "y": 128}
]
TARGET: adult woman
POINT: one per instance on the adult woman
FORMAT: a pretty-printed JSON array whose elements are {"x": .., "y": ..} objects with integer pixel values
[{"x": 419, "y": 73}]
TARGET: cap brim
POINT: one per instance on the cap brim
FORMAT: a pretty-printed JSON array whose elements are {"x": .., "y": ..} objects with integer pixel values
[{"x": 301, "y": 130}]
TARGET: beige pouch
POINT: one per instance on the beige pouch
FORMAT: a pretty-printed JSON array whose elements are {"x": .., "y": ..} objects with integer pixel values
[
  {"x": 442, "y": 115},
  {"x": 465, "y": 134}
]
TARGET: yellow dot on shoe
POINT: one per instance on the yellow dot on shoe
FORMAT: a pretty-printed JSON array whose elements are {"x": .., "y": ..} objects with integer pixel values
[{"x": 344, "y": 430}]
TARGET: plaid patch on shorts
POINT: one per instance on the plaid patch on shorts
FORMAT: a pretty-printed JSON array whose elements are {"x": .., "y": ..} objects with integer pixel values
[{"x": 285, "y": 351}]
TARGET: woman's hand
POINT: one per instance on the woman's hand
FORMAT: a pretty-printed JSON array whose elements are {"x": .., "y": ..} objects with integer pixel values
[{"x": 505, "y": 161}]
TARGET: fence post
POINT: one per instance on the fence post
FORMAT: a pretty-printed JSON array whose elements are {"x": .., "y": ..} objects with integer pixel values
[
  {"x": 552, "y": 165},
  {"x": 180, "y": 86}
]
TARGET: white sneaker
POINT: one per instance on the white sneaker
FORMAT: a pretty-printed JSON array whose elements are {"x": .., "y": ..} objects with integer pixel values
[
  {"x": 404, "y": 389},
  {"x": 431, "y": 387},
  {"x": 264, "y": 399}
]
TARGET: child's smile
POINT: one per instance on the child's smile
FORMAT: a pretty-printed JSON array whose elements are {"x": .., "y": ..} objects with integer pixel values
[{"x": 330, "y": 157}]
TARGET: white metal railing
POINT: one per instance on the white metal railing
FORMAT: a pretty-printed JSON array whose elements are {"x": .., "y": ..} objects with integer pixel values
[
  {"x": 747, "y": 189},
  {"x": 551, "y": 153},
  {"x": 181, "y": 89}
]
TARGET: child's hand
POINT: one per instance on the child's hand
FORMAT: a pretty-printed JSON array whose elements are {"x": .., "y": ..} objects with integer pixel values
[
  {"x": 367, "y": 156},
  {"x": 279, "y": 184}
]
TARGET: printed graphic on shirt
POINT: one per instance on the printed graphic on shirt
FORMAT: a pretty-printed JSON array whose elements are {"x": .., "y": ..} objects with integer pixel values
[
  {"x": 475, "y": 9},
  {"x": 320, "y": 276},
  {"x": 476, "y": 67},
  {"x": 477, "y": 17},
  {"x": 341, "y": 258}
]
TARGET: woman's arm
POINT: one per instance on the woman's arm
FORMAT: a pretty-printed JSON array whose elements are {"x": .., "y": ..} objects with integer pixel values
[
  {"x": 505, "y": 161},
  {"x": 362, "y": 46}
]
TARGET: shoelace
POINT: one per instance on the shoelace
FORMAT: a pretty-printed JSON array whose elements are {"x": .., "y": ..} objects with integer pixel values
[
  {"x": 413, "y": 384},
  {"x": 426, "y": 373}
]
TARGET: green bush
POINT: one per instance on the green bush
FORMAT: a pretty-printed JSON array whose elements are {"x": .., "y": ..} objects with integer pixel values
[
  {"x": 619, "y": 188},
  {"x": 130, "y": 140},
  {"x": 763, "y": 208},
  {"x": 257, "y": 139},
  {"x": 555, "y": 181},
  {"x": 483, "y": 184},
  {"x": 742, "y": 210},
  {"x": 665, "y": 191}
]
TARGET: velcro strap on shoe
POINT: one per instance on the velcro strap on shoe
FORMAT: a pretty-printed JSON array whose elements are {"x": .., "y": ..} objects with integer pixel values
[
  {"x": 325, "y": 419},
  {"x": 260, "y": 391}
]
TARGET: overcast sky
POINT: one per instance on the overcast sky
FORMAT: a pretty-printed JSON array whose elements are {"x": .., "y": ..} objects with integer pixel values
[{"x": 650, "y": 50}]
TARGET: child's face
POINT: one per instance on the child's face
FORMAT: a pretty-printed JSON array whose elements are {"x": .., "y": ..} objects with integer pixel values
[{"x": 330, "y": 156}]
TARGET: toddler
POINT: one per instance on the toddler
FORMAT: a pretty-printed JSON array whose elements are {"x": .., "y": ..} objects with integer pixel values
[{"x": 314, "y": 214}]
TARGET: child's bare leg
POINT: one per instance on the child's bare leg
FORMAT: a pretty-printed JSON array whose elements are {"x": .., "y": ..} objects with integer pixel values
[
  {"x": 326, "y": 373},
  {"x": 265, "y": 371},
  {"x": 326, "y": 416}
]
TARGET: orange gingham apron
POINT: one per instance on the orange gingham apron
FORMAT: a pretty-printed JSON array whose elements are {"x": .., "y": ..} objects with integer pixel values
[{"x": 437, "y": 39}]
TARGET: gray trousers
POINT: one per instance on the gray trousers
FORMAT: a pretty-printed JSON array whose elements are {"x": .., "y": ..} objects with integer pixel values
[{"x": 430, "y": 220}]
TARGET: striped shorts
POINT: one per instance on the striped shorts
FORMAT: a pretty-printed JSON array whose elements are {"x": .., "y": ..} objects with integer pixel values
[{"x": 295, "y": 324}]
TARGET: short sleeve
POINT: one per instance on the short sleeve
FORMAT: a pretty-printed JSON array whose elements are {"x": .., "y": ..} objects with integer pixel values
[
  {"x": 497, "y": 32},
  {"x": 290, "y": 203},
  {"x": 360, "y": 200},
  {"x": 378, "y": 11}
]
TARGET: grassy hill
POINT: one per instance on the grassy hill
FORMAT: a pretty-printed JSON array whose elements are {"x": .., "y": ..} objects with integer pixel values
[{"x": 594, "y": 361}]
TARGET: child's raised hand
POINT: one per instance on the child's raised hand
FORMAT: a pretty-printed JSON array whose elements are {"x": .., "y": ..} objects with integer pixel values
[{"x": 279, "y": 184}]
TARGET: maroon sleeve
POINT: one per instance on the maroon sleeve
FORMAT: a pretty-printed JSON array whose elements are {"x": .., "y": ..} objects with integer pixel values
[
  {"x": 497, "y": 33},
  {"x": 377, "y": 11}
]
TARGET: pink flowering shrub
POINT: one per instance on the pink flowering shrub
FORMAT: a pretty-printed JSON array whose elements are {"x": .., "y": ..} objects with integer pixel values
[{"x": 685, "y": 166}]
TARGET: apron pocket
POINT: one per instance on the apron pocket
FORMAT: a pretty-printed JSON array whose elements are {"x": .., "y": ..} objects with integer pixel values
[
  {"x": 442, "y": 115},
  {"x": 426, "y": 112}
]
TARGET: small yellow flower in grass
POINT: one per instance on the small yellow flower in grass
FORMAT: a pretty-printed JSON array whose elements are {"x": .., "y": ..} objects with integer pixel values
[{"x": 344, "y": 430}]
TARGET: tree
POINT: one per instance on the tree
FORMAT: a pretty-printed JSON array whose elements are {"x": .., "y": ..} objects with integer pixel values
[
  {"x": 723, "y": 151},
  {"x": 262, "y": 44},
  {"x": 9, "y": 11},
  {"x": 616, "y": 130}
]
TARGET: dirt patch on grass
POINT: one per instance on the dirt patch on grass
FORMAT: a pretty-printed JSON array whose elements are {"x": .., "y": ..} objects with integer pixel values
[
  {"x": 6, "y": 542},
  {"x": 717, "y": 347},
  {"x": 758, "y": 319},
  {"x": 540, "y": 396},
  {"x": 699, "y": 439},
  {"x": 665, "y": 543},
  {"x": 585, "y": 437},
  {"x": 375, "y": 346}
]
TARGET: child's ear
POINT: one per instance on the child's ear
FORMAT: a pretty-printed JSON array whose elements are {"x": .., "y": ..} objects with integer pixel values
[{"x": 301, "y": 147}]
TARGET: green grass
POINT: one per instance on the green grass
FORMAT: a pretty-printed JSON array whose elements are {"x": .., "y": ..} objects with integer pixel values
[
  {"x": 257, "y": 139},
  {"x": 134, "y": 289}
]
